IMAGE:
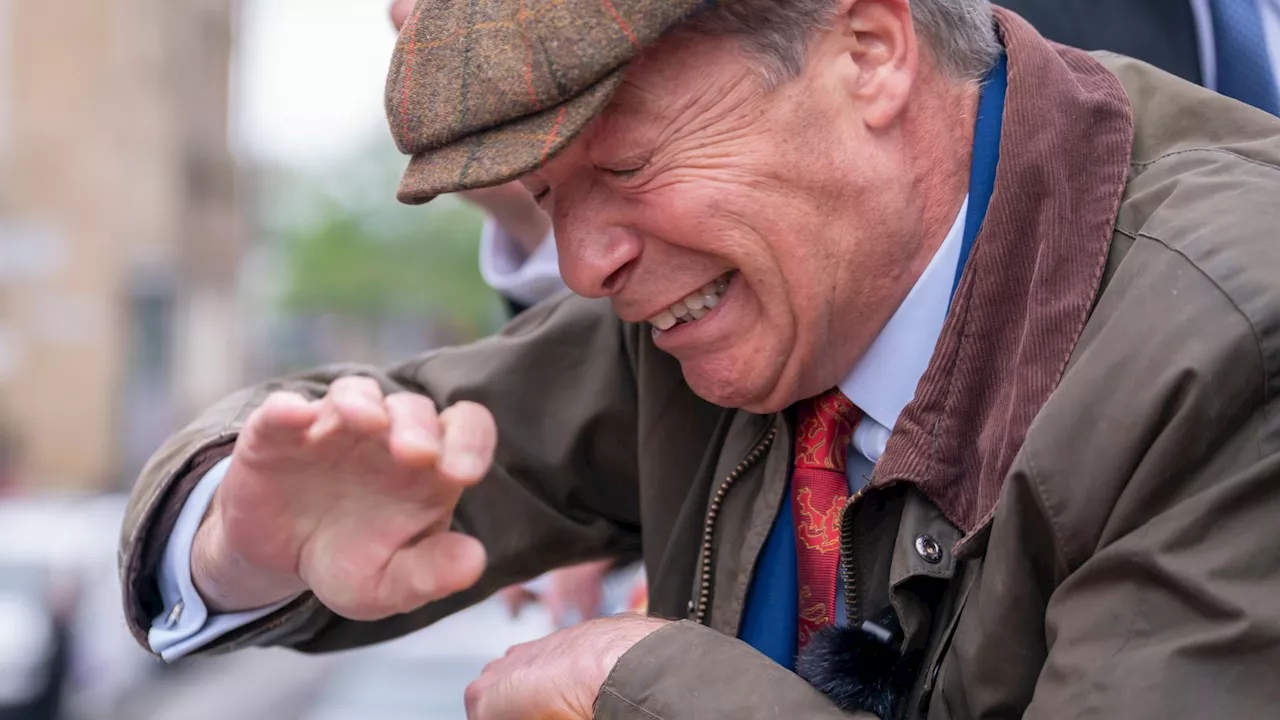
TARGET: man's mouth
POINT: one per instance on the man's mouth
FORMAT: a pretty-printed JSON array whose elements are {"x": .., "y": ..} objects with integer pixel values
[{"x": 694, "y": 306}]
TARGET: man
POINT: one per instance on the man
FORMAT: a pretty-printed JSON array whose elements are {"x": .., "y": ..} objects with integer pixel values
[
  {"x": 1188, "y": 39},
  {"x": 796, "y": 226}
]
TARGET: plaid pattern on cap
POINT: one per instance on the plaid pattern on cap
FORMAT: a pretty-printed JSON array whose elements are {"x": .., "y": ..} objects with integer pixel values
[{"x": 483, "y": 91}]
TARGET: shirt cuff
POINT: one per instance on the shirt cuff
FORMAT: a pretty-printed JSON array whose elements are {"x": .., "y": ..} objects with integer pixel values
[
  {"x": 504, "y": 266},
  {"x": 186, "y": 625}
]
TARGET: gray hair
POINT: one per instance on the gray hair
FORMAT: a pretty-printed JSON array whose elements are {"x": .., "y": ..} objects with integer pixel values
[{"x": 959, "y": 34}]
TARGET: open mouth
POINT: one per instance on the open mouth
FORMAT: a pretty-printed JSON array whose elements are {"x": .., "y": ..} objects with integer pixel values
[{"x": 694, "y": 306}]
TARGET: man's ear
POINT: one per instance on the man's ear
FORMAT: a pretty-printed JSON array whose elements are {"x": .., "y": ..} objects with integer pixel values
[{"x": 879, "y": 37}]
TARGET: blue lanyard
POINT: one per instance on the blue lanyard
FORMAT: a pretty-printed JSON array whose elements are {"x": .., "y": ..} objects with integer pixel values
[{"x": 986, "y": 155}]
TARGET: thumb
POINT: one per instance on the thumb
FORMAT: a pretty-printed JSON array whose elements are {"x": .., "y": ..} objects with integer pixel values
[{"x": 433, "y": 568}]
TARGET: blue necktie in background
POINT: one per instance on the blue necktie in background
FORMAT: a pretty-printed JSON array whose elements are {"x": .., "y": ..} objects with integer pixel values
[{"x": 1244, "y": 65}]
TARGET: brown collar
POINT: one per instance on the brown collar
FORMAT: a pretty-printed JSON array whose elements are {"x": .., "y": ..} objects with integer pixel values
[{"x": 1030, "y": 281}]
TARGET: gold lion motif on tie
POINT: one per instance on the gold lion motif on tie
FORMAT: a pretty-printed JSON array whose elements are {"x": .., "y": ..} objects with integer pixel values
[
  {"x": 821, "y": 527},
  {"x": 833, "y": 420},
  {"x": 810, "y": 612}
]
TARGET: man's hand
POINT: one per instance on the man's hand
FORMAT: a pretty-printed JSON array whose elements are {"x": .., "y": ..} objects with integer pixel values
[
  {"x": 572, "y": 595},
  {"x": 559, "y": 676},
  {"x": 350, "y": 496}
]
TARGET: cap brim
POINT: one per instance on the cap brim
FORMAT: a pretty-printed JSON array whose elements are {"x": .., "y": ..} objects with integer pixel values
[{"x": 505, "y": 152}]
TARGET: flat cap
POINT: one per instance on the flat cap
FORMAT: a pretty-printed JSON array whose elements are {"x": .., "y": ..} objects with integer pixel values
[{"x": 483, "y": 91}]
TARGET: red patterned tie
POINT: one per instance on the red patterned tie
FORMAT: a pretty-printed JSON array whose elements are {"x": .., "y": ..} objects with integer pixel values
[{"x": 819, "y": 492}]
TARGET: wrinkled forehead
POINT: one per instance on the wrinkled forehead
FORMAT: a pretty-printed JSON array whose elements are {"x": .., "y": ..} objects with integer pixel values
[{"x": 682, "y": 80}]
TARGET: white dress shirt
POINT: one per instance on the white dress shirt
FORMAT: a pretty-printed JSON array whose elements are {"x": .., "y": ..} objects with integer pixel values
[
  {"x": 881, "y": 384},
  {"x": 1270, "y": 12}
]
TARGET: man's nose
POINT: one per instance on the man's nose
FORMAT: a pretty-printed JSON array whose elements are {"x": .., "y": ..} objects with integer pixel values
[{"x": 596, "y": 261}]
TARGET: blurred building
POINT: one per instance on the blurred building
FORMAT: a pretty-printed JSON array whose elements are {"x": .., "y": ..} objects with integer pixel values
[{"x": 120, "y": 229}]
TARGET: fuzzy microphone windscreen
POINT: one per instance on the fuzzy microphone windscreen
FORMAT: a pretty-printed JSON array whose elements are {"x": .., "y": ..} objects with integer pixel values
[{"x": 858, "y": 670}]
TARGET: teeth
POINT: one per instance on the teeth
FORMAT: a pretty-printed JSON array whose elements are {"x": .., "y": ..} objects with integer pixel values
[
  {"x": 663, "y": 320},
  {"x": 693, "y": 307}
]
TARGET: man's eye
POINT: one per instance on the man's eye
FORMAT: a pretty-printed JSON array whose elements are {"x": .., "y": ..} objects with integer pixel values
[
  {"x": 625, "y": 173},
  {"x": 539, "y": 196}
]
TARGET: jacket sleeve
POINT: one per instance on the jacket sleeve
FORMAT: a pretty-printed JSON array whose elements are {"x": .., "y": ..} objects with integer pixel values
[
  {"x": 558, "y": 380},
  {"x": 1178, "y": 616},
  {"x": 687, "y": 670},
  {"x": 1161, "y": 489}
]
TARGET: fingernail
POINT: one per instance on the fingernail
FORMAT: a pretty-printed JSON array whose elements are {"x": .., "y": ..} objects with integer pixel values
[
  {"x": 421, "y": 438},
  {"x": 465, "y": 465}
]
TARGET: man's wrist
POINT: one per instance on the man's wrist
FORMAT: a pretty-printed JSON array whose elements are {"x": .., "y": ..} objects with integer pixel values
[
  {"x": 226, "y": 582},
  {"x": 528, "y": 228}
]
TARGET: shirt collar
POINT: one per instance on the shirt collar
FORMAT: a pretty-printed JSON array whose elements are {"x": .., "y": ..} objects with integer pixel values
[{"x": 885, "y": 379}]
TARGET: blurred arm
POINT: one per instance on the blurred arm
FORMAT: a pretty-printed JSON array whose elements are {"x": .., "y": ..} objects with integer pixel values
[{"x": 523, "y": 278}]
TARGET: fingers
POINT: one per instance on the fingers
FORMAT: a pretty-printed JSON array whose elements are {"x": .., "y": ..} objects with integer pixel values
[
  {"x": 400, "y": 11},
  {"x": 353, "y": 404},
  {"x": 515, "y": 597},
  {"x": 470, "y": 436},
  {"x": 283, "y": 417},
  {"x": 460, "y": 441},
  {"x": 415, "y": 429},
  {"x": 436, "y": 567}
]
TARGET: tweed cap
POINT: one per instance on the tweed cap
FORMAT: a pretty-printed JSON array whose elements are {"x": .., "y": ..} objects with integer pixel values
[{"x": 483, "y": 91}]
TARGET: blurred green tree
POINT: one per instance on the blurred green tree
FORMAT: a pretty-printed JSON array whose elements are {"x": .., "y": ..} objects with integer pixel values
[{"x": 348, "y": 249}]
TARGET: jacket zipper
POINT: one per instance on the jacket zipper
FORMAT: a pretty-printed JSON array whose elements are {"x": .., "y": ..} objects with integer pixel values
[
  {"x": 702, "y": 605},
  {"x": 848, "y": 573}
]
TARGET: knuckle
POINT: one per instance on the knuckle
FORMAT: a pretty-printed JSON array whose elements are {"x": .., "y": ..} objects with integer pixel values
[
  {"x": 276, "y": 397},
  {"x": 471, "y": 697},
  {"x": 425, "y": 588},
  {"x": 477, "y": 411},
  {"x": 274, "y": 402}
]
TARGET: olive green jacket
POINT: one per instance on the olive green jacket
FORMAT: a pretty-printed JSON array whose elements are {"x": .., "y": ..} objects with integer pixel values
[{"x": 1078, "y": 515}]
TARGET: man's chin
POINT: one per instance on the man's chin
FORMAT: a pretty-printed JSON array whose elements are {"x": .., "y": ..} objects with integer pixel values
[{"x": 738, "y": 390}]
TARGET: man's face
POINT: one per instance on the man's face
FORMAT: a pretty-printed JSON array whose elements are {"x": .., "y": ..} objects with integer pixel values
[{"x": 776, "y": 222}]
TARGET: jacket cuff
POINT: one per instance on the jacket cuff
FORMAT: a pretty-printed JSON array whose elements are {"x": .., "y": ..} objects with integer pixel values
[
  {"x": 139, "y": 565},
  {"x": 687, "y": 670},
  {"x": 293, "y": 623}
]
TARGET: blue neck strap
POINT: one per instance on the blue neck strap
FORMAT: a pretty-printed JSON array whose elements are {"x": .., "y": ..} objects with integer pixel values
[{"x": 986, "y": 155}]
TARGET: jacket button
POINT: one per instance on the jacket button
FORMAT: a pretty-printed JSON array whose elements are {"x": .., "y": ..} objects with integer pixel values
[
  {"x": 929, "y": 549},
  {"x": 690, "y": 607}
]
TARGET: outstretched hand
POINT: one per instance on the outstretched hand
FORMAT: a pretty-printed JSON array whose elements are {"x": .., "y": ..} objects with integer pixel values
[{"x": 350, "y": 496}]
